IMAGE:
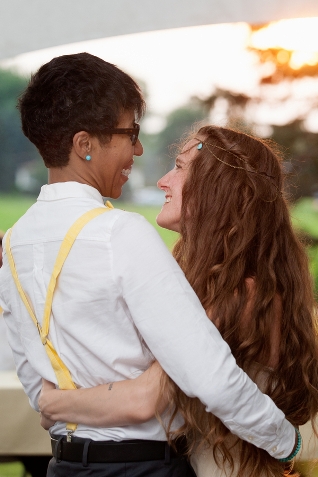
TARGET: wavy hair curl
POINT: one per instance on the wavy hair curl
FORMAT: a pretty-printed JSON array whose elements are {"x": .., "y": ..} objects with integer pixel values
[{"x": 236, "y": 230}]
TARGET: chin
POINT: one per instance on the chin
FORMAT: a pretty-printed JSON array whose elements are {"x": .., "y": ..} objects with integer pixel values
[
  {"x": 115, "y": 194},
  {"x": 166, "y": 224}
]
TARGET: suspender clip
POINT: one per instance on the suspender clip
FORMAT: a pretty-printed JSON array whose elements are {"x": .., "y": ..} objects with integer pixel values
[{"x": 69, "y": 435}]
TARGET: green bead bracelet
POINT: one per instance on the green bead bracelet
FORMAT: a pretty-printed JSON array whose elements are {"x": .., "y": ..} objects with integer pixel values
[{"x": 291, "y": 456}]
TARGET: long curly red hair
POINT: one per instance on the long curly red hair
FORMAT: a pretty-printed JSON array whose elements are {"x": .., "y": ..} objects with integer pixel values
[{"x": 237, "y": 247}]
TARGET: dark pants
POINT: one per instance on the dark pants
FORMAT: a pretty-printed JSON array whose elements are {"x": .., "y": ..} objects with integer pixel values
[{"x": 177, "y": 467}]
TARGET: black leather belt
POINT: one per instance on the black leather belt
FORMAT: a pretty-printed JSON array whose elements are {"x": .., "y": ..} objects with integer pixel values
[{"x": 80, "y": 450}]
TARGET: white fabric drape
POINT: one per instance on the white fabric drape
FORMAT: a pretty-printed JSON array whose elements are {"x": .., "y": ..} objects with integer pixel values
[{"x": 33, "y": 25}]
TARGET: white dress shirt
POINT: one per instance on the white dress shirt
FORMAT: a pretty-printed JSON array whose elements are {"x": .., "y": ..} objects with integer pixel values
[{"x": 121, "y": 299}]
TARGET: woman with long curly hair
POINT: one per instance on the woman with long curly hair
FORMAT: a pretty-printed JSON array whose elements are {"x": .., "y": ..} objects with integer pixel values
[{"x": 240, "y": 254}]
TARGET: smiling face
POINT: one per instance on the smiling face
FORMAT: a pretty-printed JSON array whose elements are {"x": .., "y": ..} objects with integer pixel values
[
  {"x": 172, "y": 183},
  {"x": 111, "y": 163}
]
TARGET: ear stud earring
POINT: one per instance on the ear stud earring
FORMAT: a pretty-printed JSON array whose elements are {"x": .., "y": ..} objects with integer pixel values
[{"x": 88, "y": 157}]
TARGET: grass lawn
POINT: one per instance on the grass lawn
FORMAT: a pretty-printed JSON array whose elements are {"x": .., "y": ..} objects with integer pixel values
[
  {"x": 12, "y": 469},
  {"x": 150, "y": 213},
  {"x": 305, "y": 216},
  {"x": 12, "y": 207},
  {"x": 305, "y": 219}
]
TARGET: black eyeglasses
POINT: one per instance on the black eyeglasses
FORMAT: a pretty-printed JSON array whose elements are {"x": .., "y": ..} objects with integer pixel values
[{"x": 132, "y": 132}]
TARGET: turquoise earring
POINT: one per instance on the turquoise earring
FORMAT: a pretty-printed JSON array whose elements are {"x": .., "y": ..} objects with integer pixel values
[
  {"x": 88, "y": 157},
  {"x": 199, "y": 146}
]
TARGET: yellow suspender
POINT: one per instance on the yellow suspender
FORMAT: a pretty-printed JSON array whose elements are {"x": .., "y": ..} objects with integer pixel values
[{"x": 63, "y": 375}]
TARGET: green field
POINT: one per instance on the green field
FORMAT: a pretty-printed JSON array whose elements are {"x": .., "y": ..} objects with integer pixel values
[
  {"x": 305, "y": 216},
  {"x": 12, "y": 207},
  {"x": 305, "y": 220},
  {"x": 12, "y": 469}
]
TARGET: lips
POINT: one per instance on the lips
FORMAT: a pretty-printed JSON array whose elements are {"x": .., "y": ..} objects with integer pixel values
[{"x": 168, "y": 199}]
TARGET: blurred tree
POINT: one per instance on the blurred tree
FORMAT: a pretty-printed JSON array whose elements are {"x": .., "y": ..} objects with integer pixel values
[
  {"x": 301, "y": 152},
  {"x": 179, "y": 123},
  {"x": 277, "y": 79},
  {"x": 15, "y": 148},
  {"x": 280, "y": 64}
]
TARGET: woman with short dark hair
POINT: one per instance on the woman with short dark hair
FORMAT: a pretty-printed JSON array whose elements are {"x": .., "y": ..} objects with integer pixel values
[{"x": 75, "y": 93}]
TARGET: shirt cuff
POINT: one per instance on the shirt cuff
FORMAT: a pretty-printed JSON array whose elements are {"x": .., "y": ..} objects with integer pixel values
[
  {"x": 285, "y": 442},
  {"x": 282, "y": 445}
]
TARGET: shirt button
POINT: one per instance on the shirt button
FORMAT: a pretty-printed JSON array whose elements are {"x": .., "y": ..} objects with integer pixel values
[
  {"x": 250, "y": 438},
  {"x": 274, "y": 449}
]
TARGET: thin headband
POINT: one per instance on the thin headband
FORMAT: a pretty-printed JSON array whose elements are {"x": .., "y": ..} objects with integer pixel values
[{"x": 249, "y": 169}]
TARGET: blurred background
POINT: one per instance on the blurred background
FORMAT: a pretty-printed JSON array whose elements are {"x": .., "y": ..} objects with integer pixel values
[{"x": 252, "y": 68}]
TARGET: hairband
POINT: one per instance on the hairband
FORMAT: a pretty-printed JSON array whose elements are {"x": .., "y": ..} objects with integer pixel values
[{"x": 249, "y": 169}]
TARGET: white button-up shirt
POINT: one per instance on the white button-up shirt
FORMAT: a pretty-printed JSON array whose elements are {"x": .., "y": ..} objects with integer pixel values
[{"x": 121, "y": 300}]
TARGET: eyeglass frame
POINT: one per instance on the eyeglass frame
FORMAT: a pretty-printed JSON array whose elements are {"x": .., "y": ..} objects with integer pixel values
[{"x": 132, "y": 132}]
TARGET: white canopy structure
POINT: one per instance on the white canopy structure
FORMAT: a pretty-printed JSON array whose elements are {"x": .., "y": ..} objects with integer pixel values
[{"x": 37, "y": 24}]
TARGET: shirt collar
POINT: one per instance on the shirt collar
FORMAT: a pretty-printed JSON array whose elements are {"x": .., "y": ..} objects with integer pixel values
[{"x": 66, "y": 190}]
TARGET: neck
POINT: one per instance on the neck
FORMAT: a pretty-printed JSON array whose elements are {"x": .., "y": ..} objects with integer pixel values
[
  {"x": 76, "y": 170},
  {"x": 64, "y": 174}
]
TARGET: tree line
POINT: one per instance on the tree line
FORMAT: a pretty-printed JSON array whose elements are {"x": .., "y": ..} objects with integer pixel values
[{"x": 299, "y": 145}]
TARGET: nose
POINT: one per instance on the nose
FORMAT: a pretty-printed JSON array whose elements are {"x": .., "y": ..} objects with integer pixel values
[
  {"x": 163, "y": 182},
  {"x": 138, "y": 149}
]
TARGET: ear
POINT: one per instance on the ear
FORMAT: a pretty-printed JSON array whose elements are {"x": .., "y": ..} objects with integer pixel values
[{"x": 82, "y": 144}]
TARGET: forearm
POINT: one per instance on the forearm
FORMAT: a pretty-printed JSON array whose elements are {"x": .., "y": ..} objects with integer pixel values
[
  {"x": 101, "y": 406},
  {"x": 109, "y": 405}
]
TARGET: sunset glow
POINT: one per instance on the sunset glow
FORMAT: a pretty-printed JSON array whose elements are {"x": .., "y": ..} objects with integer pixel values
[{"x": 298, "y": 37}]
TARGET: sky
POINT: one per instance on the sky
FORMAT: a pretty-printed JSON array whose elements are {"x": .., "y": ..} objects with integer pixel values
[
  {"x": 174, "y": 64},
  {"x": 179, "y": 63}
]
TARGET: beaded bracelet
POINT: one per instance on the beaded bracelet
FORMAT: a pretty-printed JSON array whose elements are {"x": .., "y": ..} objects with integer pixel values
[{"x": 291, "y": 456}]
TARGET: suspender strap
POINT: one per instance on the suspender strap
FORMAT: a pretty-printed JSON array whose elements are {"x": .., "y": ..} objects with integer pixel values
[
  {"x": 61, "y": 257},
  {"x": 63, "y": 375}
]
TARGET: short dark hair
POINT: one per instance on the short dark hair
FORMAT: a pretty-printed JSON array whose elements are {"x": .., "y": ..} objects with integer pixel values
[{"x": 73, "y": 93}]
